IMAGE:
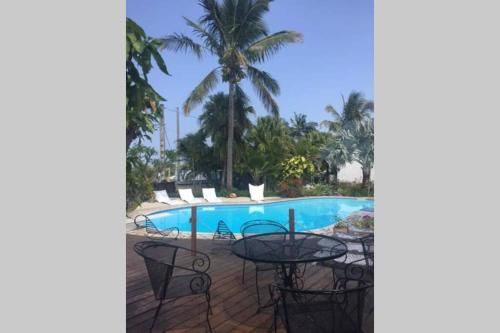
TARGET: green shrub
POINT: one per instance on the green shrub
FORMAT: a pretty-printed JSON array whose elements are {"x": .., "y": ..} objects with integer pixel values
[
  {"x": 317, "y": 190},
  {"x": 353, "y": 190}
]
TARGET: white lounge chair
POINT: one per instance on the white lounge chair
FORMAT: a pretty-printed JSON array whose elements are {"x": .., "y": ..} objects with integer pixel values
[
  {"x": 256, "y": 192},
  {"x": 186, "y": 194},
  {"x": 209, "y": 195},
  {"x": 162, "y": 196}
]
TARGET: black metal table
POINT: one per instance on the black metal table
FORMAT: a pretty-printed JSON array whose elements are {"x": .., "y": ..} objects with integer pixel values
[{"x": 287, "y": 250}]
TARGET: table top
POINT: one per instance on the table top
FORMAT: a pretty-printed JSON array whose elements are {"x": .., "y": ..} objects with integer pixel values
[{"x": 290, "y": 247}]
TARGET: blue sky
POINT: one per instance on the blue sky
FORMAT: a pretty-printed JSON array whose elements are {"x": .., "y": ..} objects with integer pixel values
[{"x": 335, "y": 58}]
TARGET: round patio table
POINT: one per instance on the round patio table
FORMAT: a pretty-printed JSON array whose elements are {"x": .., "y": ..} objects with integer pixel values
[{"x": 287, "y": 250}]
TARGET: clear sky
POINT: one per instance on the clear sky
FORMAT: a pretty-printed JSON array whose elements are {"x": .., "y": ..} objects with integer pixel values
[{"x": 335, "y": 58}]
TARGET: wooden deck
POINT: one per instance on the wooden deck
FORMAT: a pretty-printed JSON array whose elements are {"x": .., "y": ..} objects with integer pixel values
[{"x": 234, "y": 304}]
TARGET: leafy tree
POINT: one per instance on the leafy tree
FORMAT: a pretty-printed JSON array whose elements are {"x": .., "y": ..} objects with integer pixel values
[
  {"x": 355, "y": 111},
  {"x": 300, "y": 127},
  {"x": 213, "y": 123},
  {"x": 142, "y": 99},
  {"x": 336, "y": 154},
  {"x": 197, "y": 155},
  {"x": 234, "y": 31},
  {"x": 361, "y": 142},
  {"x": 140, "y": 175},
  {"x": 268, "y": 144},
  {"x": 354, "y": 133}
]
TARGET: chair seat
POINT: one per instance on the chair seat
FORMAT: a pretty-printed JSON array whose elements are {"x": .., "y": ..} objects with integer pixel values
[{"x": 188, "y": 284}]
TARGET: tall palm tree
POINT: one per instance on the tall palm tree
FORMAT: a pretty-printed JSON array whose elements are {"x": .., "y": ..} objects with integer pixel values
[
  {"x": 336, "y": 154},
  {"x": 213, "y": 122},
  {"x": 235, "y": 32},
  {"x": 300, "y": 127},
  {"x": 355, "y": 111}
]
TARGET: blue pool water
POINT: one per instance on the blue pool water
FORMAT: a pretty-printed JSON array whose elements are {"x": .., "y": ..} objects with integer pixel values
[{"x": 310, "y": 213}]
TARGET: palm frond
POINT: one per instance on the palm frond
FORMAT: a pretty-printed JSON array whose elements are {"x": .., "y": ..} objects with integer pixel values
[
  {"x": 269, "y": 45},
  {"x": 180, "y": 42},
  {"x": 265, "y": 78},
  {"x": 265, "y": 96},
  {"x": 201, "y": 91},
  {"x": 330, "y": 109},
  {"x": 209, "y": 39}
]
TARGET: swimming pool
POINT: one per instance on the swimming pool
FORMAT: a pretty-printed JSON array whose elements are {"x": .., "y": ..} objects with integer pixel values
[{"x": 310, "y": 213}]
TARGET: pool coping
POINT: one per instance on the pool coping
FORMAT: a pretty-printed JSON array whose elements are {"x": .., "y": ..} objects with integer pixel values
[{"x": 130, "y": 226}]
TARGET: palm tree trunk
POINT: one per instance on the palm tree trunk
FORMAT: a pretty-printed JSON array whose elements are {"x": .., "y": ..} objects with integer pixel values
[
  {"x": 230, "y": 138},
  {"x": 366, "y": 176},
  {"x": 335, "y": 172}
]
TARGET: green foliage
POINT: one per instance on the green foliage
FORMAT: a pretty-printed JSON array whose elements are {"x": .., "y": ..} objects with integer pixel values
[
  {"x": 317, "y": 190},
  {"x": 354, "y": 190},
  {"x": 140, "y": 175},
  {"x": 300, "y": 127},
  {"x": 198, "y": 157},
  {"x": 142, "y": 99},
  {"x": 295, "y": 167},
  {"x": 267, "y": 144}
]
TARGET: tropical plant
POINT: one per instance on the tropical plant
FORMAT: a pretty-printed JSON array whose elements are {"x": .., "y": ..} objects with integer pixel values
[
  {"x": 336, "y": 154},
  {"x": 139, "y": 174},
  {"x": 213, "y": 123},
  {"x": 354, "y": 114},
  {"x": 234, "y": 31},
  {"x": 300, "y": 127},
  {"x": 292, "y": 171},
  {"x": 295, "y": 167},
  {"x": 198, "y": 157},
  {"x": 361, "y": 142},
  {"x": 142, "y": 99},
  {"x": 267, "y": 144},
  {"x": 353, "y": 133}
]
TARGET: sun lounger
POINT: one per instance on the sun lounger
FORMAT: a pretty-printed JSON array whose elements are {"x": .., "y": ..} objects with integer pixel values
[
  {"x": 186, "y": 194},
  {"x": 210, "y": 195},
  {"x": 162, "y": 196}
]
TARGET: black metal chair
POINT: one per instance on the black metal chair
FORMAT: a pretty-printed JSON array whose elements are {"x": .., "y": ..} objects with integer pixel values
[
  {"x": 152, "y": 231},
  {"x": 360, "y": 251},
  {"x": 334, "y": 311},
  {"x": 163, "y": 263},
  {"x": 255, "y": 227}
]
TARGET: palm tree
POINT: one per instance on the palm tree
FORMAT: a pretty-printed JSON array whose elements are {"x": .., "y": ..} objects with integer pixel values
[
  {"x": 300, "y": 127},
  {"x": 213, "y": 122},
  {"x": 234, "y": 31},
  {"x": 355, "y": 111},
  {"x": 361, "y": 142},
  {"x": 336, "y": 154}
]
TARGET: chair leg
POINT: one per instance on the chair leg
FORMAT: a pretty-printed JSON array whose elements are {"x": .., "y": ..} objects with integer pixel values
[
  {"x": 257, "y": 285},
  {"x": 209, "y": 311},
  {"x": 243, "y": 275},
  {"x": 156, "y": 315}
]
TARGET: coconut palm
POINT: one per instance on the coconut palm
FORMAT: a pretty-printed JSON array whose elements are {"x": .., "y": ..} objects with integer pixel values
[
  {"x": 213, "y": 122},
  {"x": 234, "y": 31},
  {"x": 300, "y": 127},
  {"x": 355, "y": 111}
]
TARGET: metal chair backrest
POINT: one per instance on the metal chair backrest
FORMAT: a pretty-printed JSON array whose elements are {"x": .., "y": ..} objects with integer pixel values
[
  {"x": 223, "y": 231},
  {"x": 339, "y": 310},
  {"x": 255, "y": 227},
  {"x": 159, "y": 258}
]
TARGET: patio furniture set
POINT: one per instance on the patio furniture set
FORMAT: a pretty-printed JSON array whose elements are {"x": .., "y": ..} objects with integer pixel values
[{"x": 271, "y": 247}]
